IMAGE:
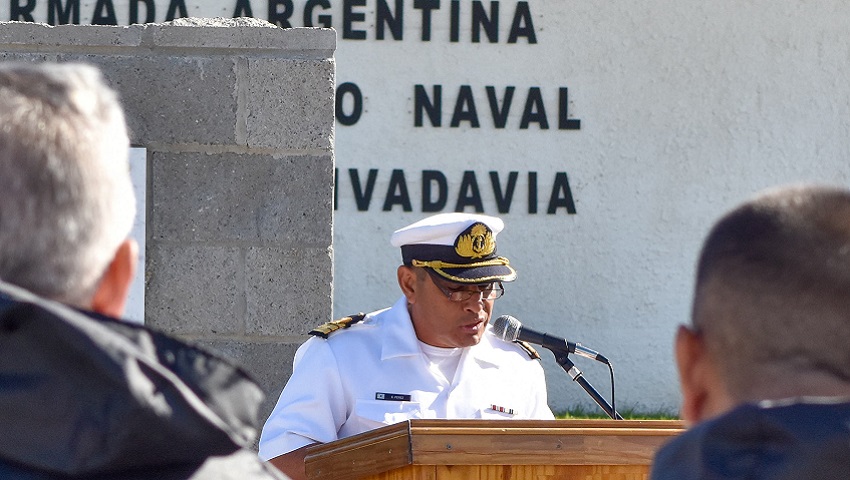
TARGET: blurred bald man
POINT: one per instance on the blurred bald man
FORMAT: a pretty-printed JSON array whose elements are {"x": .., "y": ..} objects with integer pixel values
[{"x": 765, "y": 364}]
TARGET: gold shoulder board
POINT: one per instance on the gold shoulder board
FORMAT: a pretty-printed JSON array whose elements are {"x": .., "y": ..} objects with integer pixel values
[
  {"x": 532, "y": 353},
  {"x": 328, "y": 328}
]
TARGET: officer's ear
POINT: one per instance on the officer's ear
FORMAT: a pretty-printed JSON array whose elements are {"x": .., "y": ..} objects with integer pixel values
[{"x": 409, "y": 282}]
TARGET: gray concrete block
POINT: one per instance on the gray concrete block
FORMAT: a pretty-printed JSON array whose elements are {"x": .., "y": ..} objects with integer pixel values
[
  {"x": 290, "y": 103},
  {"x": 233, "y": 197},
  {"x": 245, "y": 34},
  {"x": 194, "y": 289},
  {"x": 173, "y": 99},
  {"x": 269, "y": 364},
  {"x": 37, "y": 36},
  {"x": 288, "y": 291}
]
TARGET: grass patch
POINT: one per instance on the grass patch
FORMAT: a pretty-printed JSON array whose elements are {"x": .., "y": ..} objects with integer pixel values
[{"x": 628, "y": 414}]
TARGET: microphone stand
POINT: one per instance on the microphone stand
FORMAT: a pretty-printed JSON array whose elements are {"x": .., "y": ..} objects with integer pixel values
[{"x": 563, "y": 359}]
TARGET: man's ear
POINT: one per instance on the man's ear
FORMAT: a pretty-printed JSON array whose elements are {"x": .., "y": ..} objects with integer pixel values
[
  {"x": 407, "y": 282},
  {"x": 690, "y": 360},
  {"x": 705, "y": 391},
  {"x": 110, "y": 298}
]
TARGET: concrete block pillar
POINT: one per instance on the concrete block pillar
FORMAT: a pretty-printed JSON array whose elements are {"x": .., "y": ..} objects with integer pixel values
[{"x": 237, "y": 117}]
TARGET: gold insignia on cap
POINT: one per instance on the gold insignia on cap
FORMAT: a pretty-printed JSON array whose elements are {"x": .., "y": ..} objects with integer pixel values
[{"x": 477, "y": 243}]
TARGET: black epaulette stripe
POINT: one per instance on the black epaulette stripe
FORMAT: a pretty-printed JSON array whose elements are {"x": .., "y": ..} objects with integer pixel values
[
  {"x": 532, "y": 353},
  {"x": 328, "y": 328}
]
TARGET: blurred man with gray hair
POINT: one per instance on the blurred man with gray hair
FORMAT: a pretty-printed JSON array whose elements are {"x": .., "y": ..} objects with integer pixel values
[
  {"x": 68, "y": 203},
  {"x": 83, "y": 395},
  {"x": 764, "y": 365}
]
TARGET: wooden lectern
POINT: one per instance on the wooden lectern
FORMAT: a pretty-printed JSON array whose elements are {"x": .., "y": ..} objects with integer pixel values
[{"x": 495, "y": 450}]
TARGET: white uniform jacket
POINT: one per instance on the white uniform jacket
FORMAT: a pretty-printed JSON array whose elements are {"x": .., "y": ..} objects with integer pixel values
[{"x": 374, "y": 374}]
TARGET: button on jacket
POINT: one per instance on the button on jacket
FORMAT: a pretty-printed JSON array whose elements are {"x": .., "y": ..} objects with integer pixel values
[{"x": 374, "y": 374}]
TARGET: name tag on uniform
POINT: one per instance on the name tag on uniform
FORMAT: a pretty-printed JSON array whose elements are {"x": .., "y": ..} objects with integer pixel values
[{"x": 392, "y": 397}]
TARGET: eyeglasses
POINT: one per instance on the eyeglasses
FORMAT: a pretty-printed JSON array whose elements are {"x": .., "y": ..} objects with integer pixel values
[{"x": 491, "y": 291}]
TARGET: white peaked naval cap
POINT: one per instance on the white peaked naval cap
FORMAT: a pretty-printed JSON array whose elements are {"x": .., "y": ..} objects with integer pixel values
[{"x": 460, "y": 247}]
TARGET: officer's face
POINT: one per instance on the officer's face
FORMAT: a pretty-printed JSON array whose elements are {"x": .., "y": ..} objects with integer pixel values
[{"x": 437, "y": 320}]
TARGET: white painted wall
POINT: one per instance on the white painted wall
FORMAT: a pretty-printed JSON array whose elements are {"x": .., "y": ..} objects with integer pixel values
[{"x": 686, "y": 109}]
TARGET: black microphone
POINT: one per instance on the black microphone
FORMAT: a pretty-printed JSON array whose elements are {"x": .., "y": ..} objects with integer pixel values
[{"x": 510, "y": 329}]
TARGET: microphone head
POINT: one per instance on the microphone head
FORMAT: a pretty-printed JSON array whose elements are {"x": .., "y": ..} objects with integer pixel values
[{"x": 507, "y": 328}]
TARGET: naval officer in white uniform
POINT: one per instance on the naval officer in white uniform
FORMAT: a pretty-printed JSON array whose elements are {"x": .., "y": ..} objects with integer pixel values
[{"x": 430, "y": 355}]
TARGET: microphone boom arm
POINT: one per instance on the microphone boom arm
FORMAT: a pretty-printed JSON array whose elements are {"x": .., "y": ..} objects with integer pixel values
[{"x": 563, "y": 359}]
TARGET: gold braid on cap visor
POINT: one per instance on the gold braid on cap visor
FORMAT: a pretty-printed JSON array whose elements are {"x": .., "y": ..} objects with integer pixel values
[{"x": 439, "y": 265}]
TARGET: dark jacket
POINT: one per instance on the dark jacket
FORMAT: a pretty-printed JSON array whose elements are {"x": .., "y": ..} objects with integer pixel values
[
  {"x": 797, "y": 441},
  {"x": 86, "y": 396}
]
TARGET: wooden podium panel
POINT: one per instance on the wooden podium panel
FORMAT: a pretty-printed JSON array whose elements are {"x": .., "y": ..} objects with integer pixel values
[{"x": 495, "y": 450}]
